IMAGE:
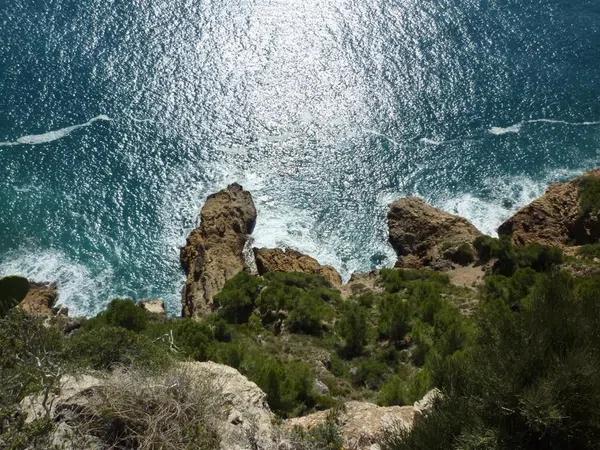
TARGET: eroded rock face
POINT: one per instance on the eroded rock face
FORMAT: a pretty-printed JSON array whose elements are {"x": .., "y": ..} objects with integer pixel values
[
  {"x": 214, "y": 251},
  {"x": 240, "y": 411},
  {"x": 156, "y": 306},
  {"x": 362, "y": 424},
  {"x": 555, "y": 218},
  {"x": 423, "y": 235},
  {"x": 40, "y": 300},
  {"x": 288, "y": 260},
  {"x": 244, "y": 420}
]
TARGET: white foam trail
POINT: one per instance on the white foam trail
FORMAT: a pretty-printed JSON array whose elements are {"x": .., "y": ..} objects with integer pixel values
[
  {"x": 498, "y": 131},
  {"x": 49, "y": 136},
  {"x": 516, "y": 128},
  {"x": 385, "y": 136},
  {"x": 82, "y": 291}
]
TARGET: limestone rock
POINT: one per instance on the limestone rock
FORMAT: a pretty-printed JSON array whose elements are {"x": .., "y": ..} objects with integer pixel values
[
  {"x": 555, "y": 218},
  {"x": 40, "y": 300},
  {"x": 288, "y": 260},
  {"x": 244, "y": 419},
  {"x": 362, "y": 424},
  {"x": 154, "y": 307},
  {"x": 214, "y": 251},
  {"x": 423, "y": 235}
]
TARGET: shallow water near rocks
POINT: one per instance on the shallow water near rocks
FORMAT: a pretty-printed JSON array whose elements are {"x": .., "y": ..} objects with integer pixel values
[{"x": 118, "y": 118}]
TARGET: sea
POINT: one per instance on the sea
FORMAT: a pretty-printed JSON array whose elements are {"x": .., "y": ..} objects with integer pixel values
[{"x": 119, "y": 117}]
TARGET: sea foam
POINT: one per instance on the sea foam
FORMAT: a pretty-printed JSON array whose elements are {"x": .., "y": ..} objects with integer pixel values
[{"x": 49, "y": 136}]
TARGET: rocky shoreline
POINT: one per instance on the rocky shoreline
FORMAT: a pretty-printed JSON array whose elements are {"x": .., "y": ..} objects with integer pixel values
[{"x": 218, "y": 250}]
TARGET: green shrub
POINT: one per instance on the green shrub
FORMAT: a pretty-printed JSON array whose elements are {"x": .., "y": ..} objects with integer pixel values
[
  {"x": 192, "y": 338},
  {"x": 353, "y": 329},
  {"x": 236, "y": 299},
  {"x": 396, "y": 280},
  {"x": 106, "y": 347},
  {"x": 306, "y": 313},
  {"x": 325, "y": 436},
  {"x": 590, "y": 251},
  {"x": 463, "y": 254},
  {"x": 589, "y": 195},
  {"x": 404, "y": 390},
  {"x": 13, "y": 289},
  {"x": 370, "y": 373},
  {"x": 527, "y": 380},
  {"x": 289, "y": 385},
  {"x": 394, "y": 318},
  {"x": 126, "y": 314},
  {"x": 488, "y": 247}
]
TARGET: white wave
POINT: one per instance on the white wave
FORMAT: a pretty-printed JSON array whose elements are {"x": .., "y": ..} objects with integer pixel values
[
  {"x": 498, "y": 131},
  {"x": 49, "y": 136},
  {"x": 506, "y": 197},
  {"x": 82, "y": 291},
  {"x": 429, "y": 141},
  {"x": 516, "y": 128}
]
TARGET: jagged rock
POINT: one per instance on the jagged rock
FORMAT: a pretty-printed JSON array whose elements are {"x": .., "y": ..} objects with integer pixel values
[
  {"x": 214, "y": 251},
  {"x": 239, "y": 408},
  {"x": 41, "y": 299},
  {"x": 555, "y": 218},
  {"x": 245, "y": 420},
  {"x": 423, "y": 235},
  {"x": 361, "y": 283},
  {"x": 154, "y": 307},
  {"x": 288, "y": 260},
  {"x": 424, "y": 405},
  {"x": 362, "y": 424}
]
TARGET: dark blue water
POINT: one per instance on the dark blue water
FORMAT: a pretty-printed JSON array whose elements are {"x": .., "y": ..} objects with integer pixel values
[{"x": 118, "y": 117}]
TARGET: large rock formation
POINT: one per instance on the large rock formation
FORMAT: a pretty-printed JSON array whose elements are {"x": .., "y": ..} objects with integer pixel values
[
  {"x": 361, "y": 424},
  {"x": 288, "y": 260},
  {"x": 214, "y": 251},
  {"x": 556, "y": 218},
  {"x": 40, "y": 300},
  {"x": 244, "y": 419},
  {"x": 238, "y": 408},
  {"x": 423, "y": 235}
]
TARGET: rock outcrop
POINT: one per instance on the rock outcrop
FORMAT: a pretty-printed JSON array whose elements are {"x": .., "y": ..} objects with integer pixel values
[
  {"x": 41, "y": 300},
  {"x": 556, "y": 218},
  {"x": 361, "y": 424},
  {"x": 245, "y": 421},
  {"x": 154, "y": 307},
  {"x": 423, "y": 235},
  {"x": 288, "y": 260},
  {"x": 214, "y": 251},
  {"x": 238, "y": 408}
]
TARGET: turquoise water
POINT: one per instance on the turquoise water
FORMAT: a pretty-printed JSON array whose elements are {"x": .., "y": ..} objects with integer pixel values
[{"x": 118, "y": 117}]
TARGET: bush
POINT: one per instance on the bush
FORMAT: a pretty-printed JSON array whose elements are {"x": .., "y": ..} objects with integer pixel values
[
  {"x": 126, "y": 314},
  {"x": 237, "y": 297},
  {"x": 404, "y": 390},
  {"x": 589, "y": 195},
  {"x": 527, "y": 380},
  {"x": 463, "y": 254},
  {"x": 590, "y": 251},
  {"x": 107, "y": 347},
  {"x": 306, "y": 313},
  {"x": 325, "y": 436},
  {"x": 396, "y": 280},
  {"x": 192, "y": 338},
  {"x": 353, "y": 329},
  {"x": 13, "y": 289},
  {"x": 371, "y": 374},
  {"x": 394, "y": 318},
  {"x": 289, "y": 385}
]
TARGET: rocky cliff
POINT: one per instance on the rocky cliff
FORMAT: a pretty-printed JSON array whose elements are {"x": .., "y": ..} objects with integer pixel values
[
  {"x": 423, "y": 235},
  {"x": 214, "y": 251},
  {"x": 557, "y": 218}
]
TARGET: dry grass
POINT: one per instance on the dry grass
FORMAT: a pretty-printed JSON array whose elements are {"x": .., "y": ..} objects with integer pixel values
[{"x": 137, "y": 411}]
